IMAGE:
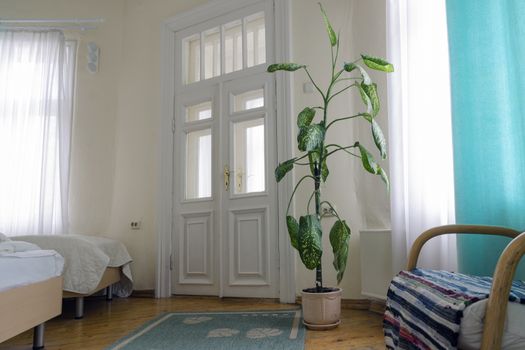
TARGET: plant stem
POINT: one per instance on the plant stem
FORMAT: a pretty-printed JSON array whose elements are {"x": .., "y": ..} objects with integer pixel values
[{"x": 319, "y": 268}]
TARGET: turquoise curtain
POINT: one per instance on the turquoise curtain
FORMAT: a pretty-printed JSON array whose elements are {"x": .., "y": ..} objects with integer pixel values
[{"x": 487, "y": 63}]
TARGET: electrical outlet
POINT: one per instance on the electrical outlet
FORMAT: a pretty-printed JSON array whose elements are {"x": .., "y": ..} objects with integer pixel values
[{"x": 135, "y": 225}]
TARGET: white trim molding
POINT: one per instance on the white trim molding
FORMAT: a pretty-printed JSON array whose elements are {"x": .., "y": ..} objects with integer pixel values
[{"x": 282, "y": 15}]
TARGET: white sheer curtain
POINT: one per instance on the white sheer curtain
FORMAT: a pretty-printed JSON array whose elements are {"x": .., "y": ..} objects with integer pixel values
[
  {"x": 36, "y": 86},
  {"x": 421, "y": 158}
]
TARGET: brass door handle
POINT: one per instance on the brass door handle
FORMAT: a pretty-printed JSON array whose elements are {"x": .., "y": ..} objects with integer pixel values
[{"x": 226, "y": 178}]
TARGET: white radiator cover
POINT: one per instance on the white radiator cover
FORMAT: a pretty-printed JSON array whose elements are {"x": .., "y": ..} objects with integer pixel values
[{"x": 376, "y": 262}]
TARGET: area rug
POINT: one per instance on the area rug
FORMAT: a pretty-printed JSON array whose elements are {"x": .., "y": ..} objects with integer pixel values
[{"x": 276, "y": 330}]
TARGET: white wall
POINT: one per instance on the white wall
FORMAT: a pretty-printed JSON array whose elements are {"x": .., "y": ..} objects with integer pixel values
[{"x": 115, "y": 136}]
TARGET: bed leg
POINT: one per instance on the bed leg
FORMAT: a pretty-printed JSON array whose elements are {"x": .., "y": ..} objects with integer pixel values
[
  {"x": 38, "y": 337},
  {"x": 109, "y": 292},
  {"x": 79, "y": 307}
]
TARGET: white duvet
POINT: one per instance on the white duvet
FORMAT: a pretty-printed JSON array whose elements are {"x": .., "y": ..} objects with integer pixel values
[
  {"x": 86, "y": 258},
  {"x": 23, "y": 263}
]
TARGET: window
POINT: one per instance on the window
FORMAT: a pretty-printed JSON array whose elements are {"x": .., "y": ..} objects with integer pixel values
[
  {"x": 37, "y": 70},
  {"x": 244, "y": 46}
]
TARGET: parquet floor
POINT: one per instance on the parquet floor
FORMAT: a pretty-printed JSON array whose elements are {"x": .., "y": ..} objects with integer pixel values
[{"x": 106, "y": 322}]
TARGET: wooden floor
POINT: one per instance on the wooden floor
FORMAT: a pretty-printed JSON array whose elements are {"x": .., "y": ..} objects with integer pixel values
[{"x": 106, "y": 322}]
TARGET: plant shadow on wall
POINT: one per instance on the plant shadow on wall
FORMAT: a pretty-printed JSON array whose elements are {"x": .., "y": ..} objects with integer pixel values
[{"x": 306, "y": 235}]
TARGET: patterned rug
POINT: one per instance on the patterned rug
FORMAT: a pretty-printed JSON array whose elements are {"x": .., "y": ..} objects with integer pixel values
[{"x": 276, "y": 330}]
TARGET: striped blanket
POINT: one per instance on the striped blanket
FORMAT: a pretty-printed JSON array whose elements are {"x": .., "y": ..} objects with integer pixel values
[{"x": 424, "y": 307}]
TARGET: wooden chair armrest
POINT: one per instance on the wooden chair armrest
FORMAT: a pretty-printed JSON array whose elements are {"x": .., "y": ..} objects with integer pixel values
[
  {"x": 461, "y": 229},
  {"x": 499, "y": 294}
]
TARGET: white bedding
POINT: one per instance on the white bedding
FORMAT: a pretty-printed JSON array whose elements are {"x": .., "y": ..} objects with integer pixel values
[
  {"x": 86, "y": 259},
  {"x": 22, "y": 264},
  {"x": 472, "y": 327}
]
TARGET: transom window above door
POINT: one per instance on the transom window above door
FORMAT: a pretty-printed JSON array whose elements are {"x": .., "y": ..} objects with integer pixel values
[{"x": 224, "y": 49}]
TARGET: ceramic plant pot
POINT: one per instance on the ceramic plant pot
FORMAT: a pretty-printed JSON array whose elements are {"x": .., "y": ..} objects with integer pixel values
[{"x": 321, "y": 311}]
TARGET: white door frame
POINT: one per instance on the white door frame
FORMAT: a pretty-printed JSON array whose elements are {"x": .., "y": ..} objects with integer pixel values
[{"x": 164, "y": 222}]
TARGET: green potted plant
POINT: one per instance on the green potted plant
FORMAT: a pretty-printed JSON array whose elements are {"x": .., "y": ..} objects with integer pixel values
[{"x": 321, "y": 305}]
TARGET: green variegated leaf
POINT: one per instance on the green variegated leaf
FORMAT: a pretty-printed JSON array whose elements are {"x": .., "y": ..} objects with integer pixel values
[
  {"x": 364, "y": 74},
  {"x": 289, "y": 67},
  {"x": 313, "y": 157},
  {"x": 311, "y": 137},
  {"x": 377, "y": 63},
  {"x": 368, "y": 161},
  {"x": 367, "y": 117},
  {"x": 371, "y": 92},
  {"x": 339, "y": 236},
  {"x": 366, "y": 99},
  {"x": 309, "y": 241},
  {"x": 349, "y": 67},
  {"x": 324, "y": 171},
  {"x": 329, "y": 29},
  {"x": 305, "y": 117},
  {"x": 341, "y": 259},
  {"x": 293, "y": 230},
  {"x": 384, "y": 177},
  {"x": 379, "y": 138},
  {"x": 283, "y": 168}
]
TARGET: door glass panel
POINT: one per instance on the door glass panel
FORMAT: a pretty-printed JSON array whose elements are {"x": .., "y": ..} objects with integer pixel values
[
  {"x": 198, "y": 164},
  {"x": 249, "y": 170},
  {"x": 248, "y": 100},
  {"x": 192, "y": 56},
  {"x": 198, "y": 112},
  {"x": 255, "y": 40},
  {"x": 232, "y": 46},
  {"x": 212, "y": 53}
]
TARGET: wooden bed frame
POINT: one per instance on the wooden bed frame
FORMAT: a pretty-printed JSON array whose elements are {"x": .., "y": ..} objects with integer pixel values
[
  {"x": 111, "y": 276},
  {"x": 502, "y": 280},
  {"x": 30, "y": 306}
]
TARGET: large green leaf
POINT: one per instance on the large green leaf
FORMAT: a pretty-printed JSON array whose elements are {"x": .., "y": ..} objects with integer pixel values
[
  {"x": 366, "y": 99},
  {"x": 293, "y": 230},
  {"x": 339, "y": 236},
  {"x": 371, "y": 92},
  {"x": 377, "y": 63},
  {"x": 368, "y": 161},
  {"x": 290, "y": 67},
  {"x": 283, "y": 168},
  {"x": 305, "y": 117},
  {"x": 311, "y": 137},
  {"x": 309, "y": 242},
  {"x": 329, "y": 29},
  {"x": 379, "y": 138}
]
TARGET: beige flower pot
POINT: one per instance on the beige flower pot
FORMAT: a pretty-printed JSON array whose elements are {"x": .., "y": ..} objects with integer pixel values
[{"x": 321, "y": 311}]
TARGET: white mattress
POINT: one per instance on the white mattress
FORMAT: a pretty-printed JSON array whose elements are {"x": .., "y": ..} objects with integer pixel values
[
  {"x": 19, "y": 268},
  {"x": 472, "y": 327}
]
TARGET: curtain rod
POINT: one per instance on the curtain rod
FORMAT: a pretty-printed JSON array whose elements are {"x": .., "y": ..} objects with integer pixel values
[
  {"x": 81, "y": 28},
  {"x": 53, "y": 20}
]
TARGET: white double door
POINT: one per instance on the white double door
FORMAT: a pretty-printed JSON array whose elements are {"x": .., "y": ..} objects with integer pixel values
[{"x": 225, "y": 232}]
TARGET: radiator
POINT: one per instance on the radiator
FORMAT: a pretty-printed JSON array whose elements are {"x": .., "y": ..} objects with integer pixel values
[{"x": 376, "y": 262}]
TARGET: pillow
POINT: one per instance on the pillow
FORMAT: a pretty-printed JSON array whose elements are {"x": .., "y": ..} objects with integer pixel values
[{"x": 3, "y": 237}]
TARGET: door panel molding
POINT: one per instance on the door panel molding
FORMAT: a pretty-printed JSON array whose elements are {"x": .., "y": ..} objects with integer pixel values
[{"x": 258, "y": 245}]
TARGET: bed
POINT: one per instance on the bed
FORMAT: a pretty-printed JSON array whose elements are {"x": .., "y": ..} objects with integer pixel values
[
  {"x": 30, "y": 289},
  {"x": 424, "y": 307},
  {"x": 92, "y": 264}
]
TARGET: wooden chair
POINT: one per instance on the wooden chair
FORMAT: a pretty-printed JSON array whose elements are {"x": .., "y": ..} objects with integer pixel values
[{"x": 502, "y": 279}]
